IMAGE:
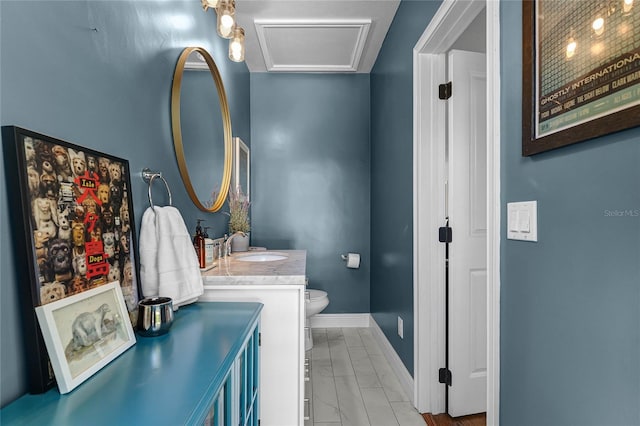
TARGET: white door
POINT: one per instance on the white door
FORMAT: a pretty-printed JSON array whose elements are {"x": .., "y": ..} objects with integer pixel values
[{"x": 467, "y": 211}]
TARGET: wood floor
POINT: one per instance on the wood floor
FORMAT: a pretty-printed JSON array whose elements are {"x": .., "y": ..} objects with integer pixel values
[{"x": 446, "y": 420}]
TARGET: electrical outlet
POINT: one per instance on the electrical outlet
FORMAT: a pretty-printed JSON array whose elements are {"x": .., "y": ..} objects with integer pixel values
[{"x": 400, "y": 328}]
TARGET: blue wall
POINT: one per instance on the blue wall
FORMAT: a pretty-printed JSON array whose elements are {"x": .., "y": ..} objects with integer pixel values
[
  {"x": 392, "y": 176},
  {"x": 310, "y": 176},
  {"x": 108, "y": 90},
  {"x": 570, "y": 333}
]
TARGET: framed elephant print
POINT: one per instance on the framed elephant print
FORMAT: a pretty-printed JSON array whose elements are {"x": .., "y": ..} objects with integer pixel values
[{"x": 84, "y": 332}]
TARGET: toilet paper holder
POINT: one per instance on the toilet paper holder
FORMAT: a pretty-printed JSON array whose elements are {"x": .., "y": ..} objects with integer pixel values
[{"x": 352, "y": 259}]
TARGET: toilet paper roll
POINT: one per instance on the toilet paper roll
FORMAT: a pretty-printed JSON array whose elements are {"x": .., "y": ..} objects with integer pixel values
[{"x": 353, "y": 260}]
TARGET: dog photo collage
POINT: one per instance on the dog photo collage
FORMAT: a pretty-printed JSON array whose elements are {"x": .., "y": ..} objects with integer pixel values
[{"x": 80, "y": 219}]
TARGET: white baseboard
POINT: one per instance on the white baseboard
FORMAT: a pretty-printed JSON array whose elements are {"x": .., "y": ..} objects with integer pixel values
[
  {"x": 406, "y": 381},
  {"x": 340, "y": 320}
]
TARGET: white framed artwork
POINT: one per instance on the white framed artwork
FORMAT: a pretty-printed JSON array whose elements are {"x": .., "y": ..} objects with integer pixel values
[{"x": 85, "y": 332}]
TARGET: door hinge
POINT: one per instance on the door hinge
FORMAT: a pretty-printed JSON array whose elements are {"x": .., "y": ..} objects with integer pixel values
[
  {"x": 444, "y": 376},
  {"x": 444, "y": 91},
  {"x": 260, "y": 339},
  {"x": 445, "y": 234}
]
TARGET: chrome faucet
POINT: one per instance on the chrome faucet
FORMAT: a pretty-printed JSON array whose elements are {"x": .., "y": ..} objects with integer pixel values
[
  {"x": 227, "y": 243},
  {"x": 217, "y": 250}
]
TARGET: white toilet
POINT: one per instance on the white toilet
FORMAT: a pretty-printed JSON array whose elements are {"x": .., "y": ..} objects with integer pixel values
[{"x": 315, "y": 302}]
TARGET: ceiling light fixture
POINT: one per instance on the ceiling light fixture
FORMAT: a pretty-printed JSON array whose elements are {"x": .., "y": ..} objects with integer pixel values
[
  {"x": 626, "y": 6},
  {"x": 209, "y": 4},
  {"x": 227, "y": 27},
  {"x": 226, "y": 11},
  {"x": 236, "y": 45}
]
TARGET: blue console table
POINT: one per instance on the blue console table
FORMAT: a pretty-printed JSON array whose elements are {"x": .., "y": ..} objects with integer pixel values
[{"x": 204, "y": 371}]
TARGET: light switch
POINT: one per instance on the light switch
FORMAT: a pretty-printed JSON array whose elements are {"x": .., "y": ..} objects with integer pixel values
[
  {"x": 513, "y": 221},
  {"x": 522, "y": 221}
]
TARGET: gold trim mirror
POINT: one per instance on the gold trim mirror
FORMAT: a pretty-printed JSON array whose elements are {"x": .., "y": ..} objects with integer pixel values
[{"x": 217, "y": 195}]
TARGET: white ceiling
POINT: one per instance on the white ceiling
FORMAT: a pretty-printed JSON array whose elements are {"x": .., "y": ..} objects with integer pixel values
[{"x": 314, "y": 36}]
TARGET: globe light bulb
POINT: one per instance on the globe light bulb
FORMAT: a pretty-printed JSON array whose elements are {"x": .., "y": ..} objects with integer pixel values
[
  {"x": 209, "y": 4},
  {"x": 571, "y": 48},
  {"x": 236, "y": 45},
  {"x": 226, "y": 18},
  {"x": 598, "y": 25}
]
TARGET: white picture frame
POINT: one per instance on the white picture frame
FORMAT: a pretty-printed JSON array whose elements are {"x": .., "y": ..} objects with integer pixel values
[
  {"x": 85, "y": 332},
  {"x": 241, "y": 170}
]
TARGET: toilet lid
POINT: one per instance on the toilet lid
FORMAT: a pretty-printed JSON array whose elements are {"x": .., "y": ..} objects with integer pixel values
[{"x": 317, "y": 294}]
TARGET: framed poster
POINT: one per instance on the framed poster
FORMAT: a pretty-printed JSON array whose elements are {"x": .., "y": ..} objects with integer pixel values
[
  {"x": 73, "y": 230},
  {"x": 84, "y": 332},
  {"x": 581, "y": 71}
]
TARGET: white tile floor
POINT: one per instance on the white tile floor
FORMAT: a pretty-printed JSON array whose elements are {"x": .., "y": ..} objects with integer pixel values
[{"x": 352, "y": 383}]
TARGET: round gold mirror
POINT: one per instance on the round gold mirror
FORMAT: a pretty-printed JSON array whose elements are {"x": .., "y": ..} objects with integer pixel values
[{"x": 201, "y": 127}]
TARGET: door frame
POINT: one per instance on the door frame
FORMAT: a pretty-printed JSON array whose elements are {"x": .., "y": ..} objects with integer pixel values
[{"x": 449, "y": 22}]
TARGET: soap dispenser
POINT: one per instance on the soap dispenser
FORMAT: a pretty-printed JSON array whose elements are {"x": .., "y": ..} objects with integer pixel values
[
  {"x": 198, "y": 244},
  {"x": 208, "y": 248}
]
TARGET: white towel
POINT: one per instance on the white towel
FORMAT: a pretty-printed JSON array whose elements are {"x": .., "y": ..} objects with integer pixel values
[{"x": 168, "y": 262}]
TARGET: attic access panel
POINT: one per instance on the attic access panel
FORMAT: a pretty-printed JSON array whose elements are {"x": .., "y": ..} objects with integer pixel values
[{"x": 312, "y": 46}]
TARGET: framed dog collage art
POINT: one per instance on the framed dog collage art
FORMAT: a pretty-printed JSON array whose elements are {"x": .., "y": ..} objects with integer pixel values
[{"x": 72, "y": 230}]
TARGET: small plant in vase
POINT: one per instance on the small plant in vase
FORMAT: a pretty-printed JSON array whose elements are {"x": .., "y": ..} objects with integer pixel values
[{"x": 239, "y": 219}]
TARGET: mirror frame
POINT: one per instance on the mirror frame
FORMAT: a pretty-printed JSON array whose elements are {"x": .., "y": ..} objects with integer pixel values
[{"x": 177, "y": 129}]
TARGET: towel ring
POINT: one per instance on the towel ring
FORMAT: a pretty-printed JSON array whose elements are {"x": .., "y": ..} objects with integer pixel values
[{"x": 148, "y": 177}]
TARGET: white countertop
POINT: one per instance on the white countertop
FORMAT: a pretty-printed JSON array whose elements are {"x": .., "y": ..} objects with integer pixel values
[{"x": 230, "y": 271}]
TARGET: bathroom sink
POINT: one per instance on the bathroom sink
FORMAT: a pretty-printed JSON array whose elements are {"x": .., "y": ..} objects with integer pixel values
[{"x": 262, "y": 257}]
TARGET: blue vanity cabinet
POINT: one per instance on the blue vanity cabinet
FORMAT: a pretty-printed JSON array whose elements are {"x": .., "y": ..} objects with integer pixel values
[
  {"x": 204, "y": 371},
  {"x": 236, "y": 402}
]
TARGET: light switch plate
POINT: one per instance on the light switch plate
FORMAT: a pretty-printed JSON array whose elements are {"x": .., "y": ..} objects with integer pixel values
[{"x": 522, "y": 221}]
